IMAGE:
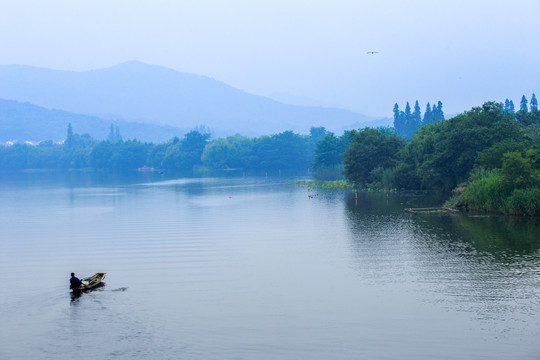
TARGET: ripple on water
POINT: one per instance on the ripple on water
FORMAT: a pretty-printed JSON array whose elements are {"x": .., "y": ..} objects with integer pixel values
[{"x": 215, "y": 269}]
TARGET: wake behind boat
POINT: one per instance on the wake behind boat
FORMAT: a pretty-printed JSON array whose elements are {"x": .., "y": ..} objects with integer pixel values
[{"x": 90, "y": 283}]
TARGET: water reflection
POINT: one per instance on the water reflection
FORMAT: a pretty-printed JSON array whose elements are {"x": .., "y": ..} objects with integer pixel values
[
  {"x": 501, "y": 235},
  {"x": 76, "y": 295},
  {"x": 368, "y": 204},
  {"x": 77, "y": 179},
  {"x": 120, "y": 289},
  {"x": 484, "y": 265},
  {"x": 248, "y": 268}
]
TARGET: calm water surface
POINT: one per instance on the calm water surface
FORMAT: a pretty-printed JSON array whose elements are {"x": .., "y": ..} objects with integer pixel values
[{"x": 251, "y": 268}]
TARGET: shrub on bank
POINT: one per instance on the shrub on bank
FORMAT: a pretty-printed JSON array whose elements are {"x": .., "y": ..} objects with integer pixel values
[
  {"x": 484, "y": 194},
  {"x": 514, "y": 189},
  {"x": 524, "y": 202}
]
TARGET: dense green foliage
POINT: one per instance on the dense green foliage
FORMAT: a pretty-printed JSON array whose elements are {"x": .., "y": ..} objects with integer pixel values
[
  {"x": 330, "y": 152},
  {"x": 281, "y": 153},
  {"x": 369, "y": 154},
  {"x": 183, "y": 155},
  {"x": 328, "y": 155},
  {"x": 407, "y": 123},
  {"x": 489, "y": 155},
  {"x": 285, "y": 152},
  {"x": 512, "y": 189},
  {"x": 506, "y": 176},
  {"x": 74, "y": 153},
  {"x": 442, "y": 155}
]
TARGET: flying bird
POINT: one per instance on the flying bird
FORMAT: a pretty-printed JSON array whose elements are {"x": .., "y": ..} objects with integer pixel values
[{"x": 372, "y": 52}]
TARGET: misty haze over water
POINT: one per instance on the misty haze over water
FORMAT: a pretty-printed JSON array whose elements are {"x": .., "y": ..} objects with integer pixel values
[
  {"x": 101, "y": 102},
  {"x": 252, "y": 268}
]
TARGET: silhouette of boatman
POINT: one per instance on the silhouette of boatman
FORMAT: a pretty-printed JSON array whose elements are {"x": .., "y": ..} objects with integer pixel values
[{"x": 74, "y": 282}]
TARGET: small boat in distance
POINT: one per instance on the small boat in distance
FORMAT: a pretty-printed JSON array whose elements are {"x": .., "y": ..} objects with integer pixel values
[{"x": 91, "y": 282}]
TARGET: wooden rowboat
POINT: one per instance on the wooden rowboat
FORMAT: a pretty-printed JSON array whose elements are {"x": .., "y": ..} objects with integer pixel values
[{"x": 91, "y": 282}]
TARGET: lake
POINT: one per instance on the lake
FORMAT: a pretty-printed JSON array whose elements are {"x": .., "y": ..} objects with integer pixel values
[{"x": 252, "y": 268}]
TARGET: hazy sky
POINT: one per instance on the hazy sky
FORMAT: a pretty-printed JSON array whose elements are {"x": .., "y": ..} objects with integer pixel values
[{"x": 460, "y": 52}]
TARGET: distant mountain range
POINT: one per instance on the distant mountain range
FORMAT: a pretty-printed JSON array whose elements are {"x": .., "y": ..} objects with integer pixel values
[
  {"x": 148, "y": 94},
  {"x": 21, "y": 122}
]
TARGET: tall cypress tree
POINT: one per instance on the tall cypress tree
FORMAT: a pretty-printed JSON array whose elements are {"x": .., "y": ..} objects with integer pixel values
[
  {"x": 428, "y": 115},
  {"x": 408, "y": 115},
  {"x": 511, "y": 108},
  {"x": 69, "y": 138},
  {"x": 438, "y": 113},
  {"x": 111, "y": 137},
  {"x": 534, "y": 103},
  {"x": 417, "y": 116},
  {"x": 114, "y": 134},
  {"x": 399, "y": 120},
  {"x": 523, "y": 105},
  {"x": 408, "y": 111},
  {"x": 117, "y": 135},
  {"x": 396, "y": 114},
  {"x": 506, "y": 106},
  {"x": 408, "y": 121}
]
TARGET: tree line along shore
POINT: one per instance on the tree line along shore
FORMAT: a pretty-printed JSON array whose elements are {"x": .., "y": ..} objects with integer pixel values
[{"x": 488, "y": 157}]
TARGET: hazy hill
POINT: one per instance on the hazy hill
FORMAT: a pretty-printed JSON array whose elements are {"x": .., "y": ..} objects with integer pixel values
[
  {"x": 149, "y": 93},
  {"x": 26, "y": 122}
]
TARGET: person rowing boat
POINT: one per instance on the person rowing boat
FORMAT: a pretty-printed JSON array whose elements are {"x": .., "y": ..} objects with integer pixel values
[{"x": 74, "y": 282}]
